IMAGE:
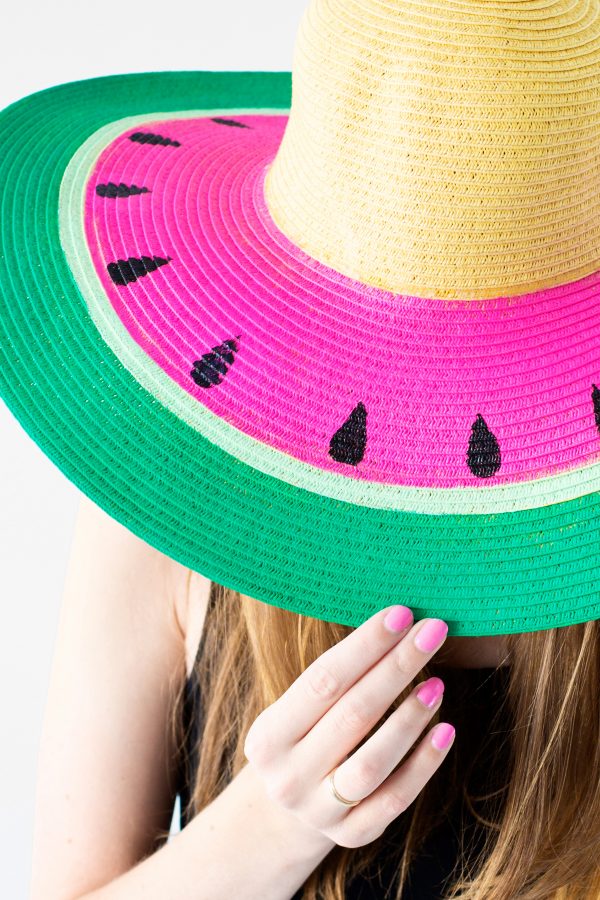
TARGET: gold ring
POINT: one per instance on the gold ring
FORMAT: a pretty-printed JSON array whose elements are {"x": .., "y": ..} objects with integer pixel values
[{"x": 335, "y": 793}]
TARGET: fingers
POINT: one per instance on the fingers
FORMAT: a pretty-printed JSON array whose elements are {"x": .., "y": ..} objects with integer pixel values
[
  {"x": 367, "y": 821},
  {"x": 346, "y": 723},
  {"x": 312, "y": 728},
  {"x": 372, "y": 763},
  {"x": 325, "y": 680},
  {"x": 360, "y": 774}
]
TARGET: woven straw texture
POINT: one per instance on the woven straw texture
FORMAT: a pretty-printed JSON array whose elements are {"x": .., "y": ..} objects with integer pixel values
[
  {"x": 224, "y": 488},
  {"x": 445, "y": 148}
]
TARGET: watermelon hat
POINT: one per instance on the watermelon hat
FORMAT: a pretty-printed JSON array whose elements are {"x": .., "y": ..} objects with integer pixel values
[{"x": 330, "y": 337}]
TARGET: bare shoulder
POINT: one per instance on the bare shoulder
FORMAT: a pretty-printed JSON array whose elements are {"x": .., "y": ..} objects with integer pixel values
[
  {"x": 185, "y": 591},
  {"x": 106, "y": 744}
]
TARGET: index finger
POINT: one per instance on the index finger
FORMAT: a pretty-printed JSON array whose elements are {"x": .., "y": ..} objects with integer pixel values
[{"x": 326, "y": 679}]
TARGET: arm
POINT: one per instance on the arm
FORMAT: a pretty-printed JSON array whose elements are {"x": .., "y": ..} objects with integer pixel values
[
  {"x": 240, "y": 845},
  {"x": 104, "y": 784}
]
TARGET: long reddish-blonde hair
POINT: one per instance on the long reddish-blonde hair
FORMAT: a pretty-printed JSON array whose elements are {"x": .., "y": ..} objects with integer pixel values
[{"x": 542, "y": 820}]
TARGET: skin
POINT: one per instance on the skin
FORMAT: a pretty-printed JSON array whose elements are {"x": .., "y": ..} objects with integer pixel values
[{"x": 124, "y": 637}]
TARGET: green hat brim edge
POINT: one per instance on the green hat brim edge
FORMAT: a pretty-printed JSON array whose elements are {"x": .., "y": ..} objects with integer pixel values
[{"x": 483, "y": 574}]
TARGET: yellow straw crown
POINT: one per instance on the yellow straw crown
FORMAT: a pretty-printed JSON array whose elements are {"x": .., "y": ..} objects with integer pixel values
[{"x": 444, "y": 148}]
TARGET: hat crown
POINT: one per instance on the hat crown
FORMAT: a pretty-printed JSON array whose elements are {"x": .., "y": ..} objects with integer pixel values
[{"x": 444, "y": 148}]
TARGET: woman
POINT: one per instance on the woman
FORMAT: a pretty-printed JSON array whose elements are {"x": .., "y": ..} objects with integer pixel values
[
  {"x": 129, "y": 631},
  {"x": 336, "y": 347}
]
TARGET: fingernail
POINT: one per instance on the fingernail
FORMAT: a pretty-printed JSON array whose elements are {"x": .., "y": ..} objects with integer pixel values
[
  {"x": 430, "y": 691},
  {"x": 398, "y": 618},
  {"x": 442, "y": 735},
  {"x": 431, "y": 635}
]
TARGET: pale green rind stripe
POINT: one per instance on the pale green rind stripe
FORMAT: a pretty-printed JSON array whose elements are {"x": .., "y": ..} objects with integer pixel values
[{"x": 499, "y": 498}]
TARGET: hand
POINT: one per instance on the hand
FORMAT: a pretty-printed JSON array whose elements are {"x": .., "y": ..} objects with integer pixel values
[{"x": 312, "y": 728}]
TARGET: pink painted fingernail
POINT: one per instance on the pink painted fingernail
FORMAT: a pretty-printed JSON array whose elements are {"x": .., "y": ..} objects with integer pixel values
[
  {"x": 430, "y": 691},
  {"x": 442, "y": 735},
  {"x": 398, "y": 618},
  {"x": 431, "y": 634}
]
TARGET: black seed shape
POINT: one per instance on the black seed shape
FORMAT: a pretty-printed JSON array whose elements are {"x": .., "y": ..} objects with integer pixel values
[
  {"x": 146, "y": 137},
  {"x": 113, "y": 190},
  {"x": 483, "y": 456},
  {"x": 596, "y": 403},
  {"x": 126, "y": 270},
  {"x": 209, "y": 369},
  {"x": 220, "y": 121},
  {"x": 348, "y": 443}
]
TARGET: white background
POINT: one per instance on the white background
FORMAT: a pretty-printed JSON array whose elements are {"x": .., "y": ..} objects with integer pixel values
[{"x": 43, "y": 44}]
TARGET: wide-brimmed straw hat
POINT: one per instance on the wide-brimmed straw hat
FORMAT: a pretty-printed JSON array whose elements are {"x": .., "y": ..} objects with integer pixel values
[{"x": 330, "y": 337}]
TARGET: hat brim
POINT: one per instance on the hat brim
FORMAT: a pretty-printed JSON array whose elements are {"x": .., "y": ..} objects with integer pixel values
[{"x": 270, "y": 537}]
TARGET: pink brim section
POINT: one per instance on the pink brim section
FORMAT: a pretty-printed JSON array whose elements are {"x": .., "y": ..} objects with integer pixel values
[{"x": 314, "y": 343}]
